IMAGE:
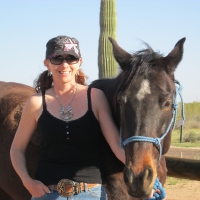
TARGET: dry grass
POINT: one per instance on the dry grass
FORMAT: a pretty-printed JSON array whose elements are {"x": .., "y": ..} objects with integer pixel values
[
  {"x": 182, "y": 189},
  {"x": 192, "y": 114},
  {"x": 191, "y": 127},
  {"x": 190, "y": 138}
]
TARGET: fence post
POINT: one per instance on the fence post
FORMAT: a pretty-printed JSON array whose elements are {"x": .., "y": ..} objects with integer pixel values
[
  {"x": 181, "y": 129},
  {"x": 181, "y": 134}
]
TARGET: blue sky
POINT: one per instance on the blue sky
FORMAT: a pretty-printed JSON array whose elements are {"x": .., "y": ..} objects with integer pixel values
[{"x": 26, "y": 26}]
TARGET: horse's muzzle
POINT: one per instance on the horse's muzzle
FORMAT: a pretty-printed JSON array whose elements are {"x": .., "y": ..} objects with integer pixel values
[{"x": 140, "y": 184}]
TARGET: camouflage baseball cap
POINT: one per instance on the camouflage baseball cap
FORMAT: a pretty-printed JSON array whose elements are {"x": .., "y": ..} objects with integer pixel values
[{"x": 62, "y": 45}]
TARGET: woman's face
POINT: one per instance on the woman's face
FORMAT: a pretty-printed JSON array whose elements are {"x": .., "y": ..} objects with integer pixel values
[{"x": 63, "y": 70}]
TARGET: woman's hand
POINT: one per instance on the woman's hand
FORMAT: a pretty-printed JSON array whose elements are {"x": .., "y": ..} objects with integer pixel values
[
  {"x": 156, "y": 195},
  {"x": 158, "y": 192},
  {"x": 35, "y": 187}
]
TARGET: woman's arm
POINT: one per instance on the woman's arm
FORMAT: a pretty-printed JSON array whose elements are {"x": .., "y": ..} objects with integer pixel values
[
  {"x": 102, "y": 112},
  {"x": 27, "y": 127}
]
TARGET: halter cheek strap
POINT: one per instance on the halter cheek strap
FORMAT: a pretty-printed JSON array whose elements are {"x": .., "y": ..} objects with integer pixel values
[{"x": 157, "y": 141}]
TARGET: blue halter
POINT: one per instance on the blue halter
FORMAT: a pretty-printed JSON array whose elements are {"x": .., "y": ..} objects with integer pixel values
[{"x": 157, "y": 141}]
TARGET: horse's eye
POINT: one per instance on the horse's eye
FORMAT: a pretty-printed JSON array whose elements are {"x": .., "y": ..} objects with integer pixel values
[{"x": 167, "y": 104}]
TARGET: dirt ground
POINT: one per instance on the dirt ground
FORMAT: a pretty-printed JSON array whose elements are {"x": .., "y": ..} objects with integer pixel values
[{"x": 183, "y": 189}]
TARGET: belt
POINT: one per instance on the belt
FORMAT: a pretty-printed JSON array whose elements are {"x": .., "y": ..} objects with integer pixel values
[{"x": 67, "y": 188}]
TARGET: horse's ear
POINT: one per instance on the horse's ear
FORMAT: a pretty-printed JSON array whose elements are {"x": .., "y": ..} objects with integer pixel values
[
  {"x": 121, "y": 56},
  {"x": 174, "y": 57}
]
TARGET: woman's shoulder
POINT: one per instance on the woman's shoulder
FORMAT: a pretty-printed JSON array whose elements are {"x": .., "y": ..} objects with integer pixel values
[
  {"x": 39, "y": 94},
  {"x": 98, "y": 97},
  {"x": 35, "y": 96},
  {"x": 97, "y": 93},
  {"x": 34, "y": 100}
]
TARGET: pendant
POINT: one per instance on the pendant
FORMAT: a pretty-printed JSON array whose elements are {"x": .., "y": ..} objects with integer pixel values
[{"x": 66, "y": 114}]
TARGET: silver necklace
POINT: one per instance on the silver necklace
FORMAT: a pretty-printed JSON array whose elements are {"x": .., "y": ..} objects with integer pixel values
[{"x": 68, "y": 113}]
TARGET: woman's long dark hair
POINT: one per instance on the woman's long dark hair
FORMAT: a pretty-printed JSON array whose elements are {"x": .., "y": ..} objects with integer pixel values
[{"x": 44, "y": 82}]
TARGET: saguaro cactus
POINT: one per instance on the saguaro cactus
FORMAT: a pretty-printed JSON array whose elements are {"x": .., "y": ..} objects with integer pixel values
[{"x": 108, "y": 21}]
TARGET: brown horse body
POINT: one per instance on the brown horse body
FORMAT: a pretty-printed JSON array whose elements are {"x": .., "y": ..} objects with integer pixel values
[
  {"x": 12, "y": 99},
  {"x": 135, "y": 180}
]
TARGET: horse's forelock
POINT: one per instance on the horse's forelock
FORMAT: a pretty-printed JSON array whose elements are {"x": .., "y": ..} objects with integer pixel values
[{"x": 140, "y": 63}]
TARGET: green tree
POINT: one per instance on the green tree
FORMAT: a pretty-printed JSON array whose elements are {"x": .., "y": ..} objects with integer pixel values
[{"x": 108, "y": 21}]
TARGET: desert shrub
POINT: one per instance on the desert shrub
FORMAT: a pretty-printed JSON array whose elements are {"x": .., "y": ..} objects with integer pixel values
[
  {"x": 190, "y": 137},
  {"x": 198, "y": 137}
]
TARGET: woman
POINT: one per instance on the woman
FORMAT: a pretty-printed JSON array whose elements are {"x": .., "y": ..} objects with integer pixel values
[{"x": 71, "y": 118}]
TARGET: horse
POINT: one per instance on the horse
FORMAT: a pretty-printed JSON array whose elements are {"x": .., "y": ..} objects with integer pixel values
[
  {"x": 141, "y": 99},
  {"x": 12, "y": 100}
]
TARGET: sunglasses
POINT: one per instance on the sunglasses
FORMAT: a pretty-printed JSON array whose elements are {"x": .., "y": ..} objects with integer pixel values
[{"x": 58, "y": 60}]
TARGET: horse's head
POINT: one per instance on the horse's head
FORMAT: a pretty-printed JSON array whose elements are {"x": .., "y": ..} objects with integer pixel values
[{"x": 146, "y": 98}]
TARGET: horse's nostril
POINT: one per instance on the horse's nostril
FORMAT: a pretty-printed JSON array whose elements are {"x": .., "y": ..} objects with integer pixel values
[
  {"x": 128, "y": 174},
  {"x": 148, "y": 176},
  {"x": 139, "y": 184},
  {"x": 148, "y": 172},
  {"x": 133, "y": 180}
]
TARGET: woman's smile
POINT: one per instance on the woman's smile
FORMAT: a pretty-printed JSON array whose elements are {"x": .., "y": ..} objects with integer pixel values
[{"x": 64, "y": 72}]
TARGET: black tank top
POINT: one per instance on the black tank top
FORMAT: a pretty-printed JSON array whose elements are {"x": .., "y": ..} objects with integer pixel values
[{"x": 70, "y": 150}]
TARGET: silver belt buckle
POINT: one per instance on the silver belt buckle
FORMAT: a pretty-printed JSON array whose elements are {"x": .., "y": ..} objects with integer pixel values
[{"x": 62, "y": 186}]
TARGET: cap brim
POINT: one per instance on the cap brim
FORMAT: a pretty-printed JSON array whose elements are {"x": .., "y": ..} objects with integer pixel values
[{"x": 60, "y": 52}]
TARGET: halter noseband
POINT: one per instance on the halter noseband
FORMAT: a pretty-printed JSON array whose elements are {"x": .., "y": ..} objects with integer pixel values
[{"x": 157, "y": 141}]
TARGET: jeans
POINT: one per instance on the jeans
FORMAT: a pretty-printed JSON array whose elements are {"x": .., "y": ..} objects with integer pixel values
[{"x": 95, "y": 193}]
